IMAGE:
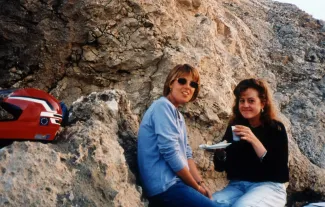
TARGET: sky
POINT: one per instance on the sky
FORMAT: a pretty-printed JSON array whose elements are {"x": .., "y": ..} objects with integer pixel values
[{"x": 314, "y": 7}]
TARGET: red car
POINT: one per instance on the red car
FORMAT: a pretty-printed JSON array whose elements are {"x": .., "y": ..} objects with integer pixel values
[{"x": 29, "y": 114}]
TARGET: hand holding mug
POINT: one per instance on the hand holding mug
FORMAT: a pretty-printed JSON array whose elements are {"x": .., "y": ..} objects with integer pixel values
[{"x": 245, "y": 133}]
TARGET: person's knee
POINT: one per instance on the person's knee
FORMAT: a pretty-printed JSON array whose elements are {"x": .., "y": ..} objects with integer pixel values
[
  {"x": 225, "y": 198},
  {"x": 221, "y": 201}
]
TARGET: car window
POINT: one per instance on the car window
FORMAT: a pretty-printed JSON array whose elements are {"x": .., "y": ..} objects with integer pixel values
[{"x": 9, "y": 112}]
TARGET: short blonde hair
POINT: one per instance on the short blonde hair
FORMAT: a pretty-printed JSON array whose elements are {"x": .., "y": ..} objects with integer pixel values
[{"x": 177, "y": 72}]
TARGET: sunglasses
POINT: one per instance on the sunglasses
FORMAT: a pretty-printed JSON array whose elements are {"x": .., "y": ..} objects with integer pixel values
[{"x": 183, "y": 81}]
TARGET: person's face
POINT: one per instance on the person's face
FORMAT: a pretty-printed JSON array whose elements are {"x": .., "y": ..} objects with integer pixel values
[
  {"x": 250, "y": 105},
  {"x": 182, "y": 90}
]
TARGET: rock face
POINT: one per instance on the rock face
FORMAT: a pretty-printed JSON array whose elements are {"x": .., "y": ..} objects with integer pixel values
[
  {"x": 73, "y": 48},
  {"x": 87, "y": 167}
]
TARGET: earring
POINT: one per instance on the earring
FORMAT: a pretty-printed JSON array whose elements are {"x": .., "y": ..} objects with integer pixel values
[{"x": 262, "y": 110}]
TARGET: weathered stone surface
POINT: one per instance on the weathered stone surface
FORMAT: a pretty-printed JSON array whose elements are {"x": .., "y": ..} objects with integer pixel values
[
  {"x": 72, "y": 48},
  {"x": 33, "y": 174},
  {"x": 86, "y": 167}
]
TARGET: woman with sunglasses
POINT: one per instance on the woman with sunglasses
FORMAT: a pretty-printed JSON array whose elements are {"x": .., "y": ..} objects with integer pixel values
[
  {"x": 256, "y": 164},
  {"x": 167, "y": 171}
]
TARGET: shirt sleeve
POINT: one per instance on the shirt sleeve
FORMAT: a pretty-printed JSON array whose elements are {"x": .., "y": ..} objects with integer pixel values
[
  {"x": 165, "y": 124},
  {"x": 220, "y": 156},
  {"x": 277, "y": 149}
]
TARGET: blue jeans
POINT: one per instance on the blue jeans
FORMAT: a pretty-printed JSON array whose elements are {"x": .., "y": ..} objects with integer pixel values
[
  {"x": 180, "y": 195},
  {"x": 244, "y": 193}
]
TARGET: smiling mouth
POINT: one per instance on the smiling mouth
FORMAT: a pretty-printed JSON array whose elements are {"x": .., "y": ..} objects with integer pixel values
[
  {"x": 246, "y": 111},
  {"x": 185, "y": 93}
]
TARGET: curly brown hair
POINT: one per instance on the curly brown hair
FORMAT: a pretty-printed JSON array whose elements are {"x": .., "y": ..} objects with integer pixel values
[
  {"x": 177, "y": 72},
  {"x": 269, "y": 112}
]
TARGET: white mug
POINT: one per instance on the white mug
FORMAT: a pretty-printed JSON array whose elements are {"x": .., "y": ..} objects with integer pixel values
[{"x": 235, "y": 137}]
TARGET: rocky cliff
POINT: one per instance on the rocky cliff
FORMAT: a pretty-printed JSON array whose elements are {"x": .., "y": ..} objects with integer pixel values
[{"x": 116, "y": 55}]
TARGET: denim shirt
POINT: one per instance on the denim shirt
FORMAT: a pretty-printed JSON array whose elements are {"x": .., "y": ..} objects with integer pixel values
[{"x": 163, "y": 147}]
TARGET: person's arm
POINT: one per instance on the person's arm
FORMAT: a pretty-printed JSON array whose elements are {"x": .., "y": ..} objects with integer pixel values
[
  {"x": 165, "y": 122},
  {"x": 220, "y": 155},
  {"x": 188, "y": 179},
  {"x": 219, "y": 160},
  {"x": 276, "y": 152},
  {"x": 278, "y": 149},
  {"x": 166, "y": 128},
  {"x": 196, "y": 175},
  {"x": 246, "y": 134},
  {"x": 193, "y": 170},
  {"x": 276, "y": 159}
]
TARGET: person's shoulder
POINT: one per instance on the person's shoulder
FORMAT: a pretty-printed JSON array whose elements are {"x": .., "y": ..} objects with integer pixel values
[
  {"x": 277, "y": 125},
  {"x": 163, "y": 103}
]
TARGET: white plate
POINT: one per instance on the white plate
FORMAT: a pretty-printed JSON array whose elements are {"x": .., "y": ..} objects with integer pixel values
[
  {"x": 220, "y": 145},
  {"x": 316, "y": 204}
]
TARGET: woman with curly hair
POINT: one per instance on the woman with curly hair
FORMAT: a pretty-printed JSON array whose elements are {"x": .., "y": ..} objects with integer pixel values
[{"x": 257, "y": 163}]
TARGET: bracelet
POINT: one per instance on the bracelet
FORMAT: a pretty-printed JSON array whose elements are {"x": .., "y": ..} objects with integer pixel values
[
  {"x": 262, "y": 157},
  {"x": 200, "y": 182}
]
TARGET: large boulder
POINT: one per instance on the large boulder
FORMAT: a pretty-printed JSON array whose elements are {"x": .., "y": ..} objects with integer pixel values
[{"x": 88, "y": 165}]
